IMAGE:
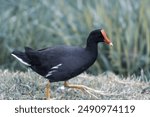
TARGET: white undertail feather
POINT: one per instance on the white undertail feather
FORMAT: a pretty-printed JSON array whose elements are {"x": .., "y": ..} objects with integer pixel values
[{"x": 25, "y": 63}]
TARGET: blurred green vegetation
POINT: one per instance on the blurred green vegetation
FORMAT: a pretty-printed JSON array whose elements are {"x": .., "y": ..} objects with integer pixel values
[{"x": 43, "y": 23}]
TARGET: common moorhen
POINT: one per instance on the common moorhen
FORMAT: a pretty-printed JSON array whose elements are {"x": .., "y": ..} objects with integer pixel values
[{"x": 61, "y": 63}]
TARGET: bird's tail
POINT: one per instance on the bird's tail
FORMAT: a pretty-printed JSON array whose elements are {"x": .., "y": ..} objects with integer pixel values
[{"x": 22, "y": 57}]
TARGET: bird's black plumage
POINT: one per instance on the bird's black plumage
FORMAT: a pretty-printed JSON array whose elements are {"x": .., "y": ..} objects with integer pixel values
[{"x": 60, "y": 63}]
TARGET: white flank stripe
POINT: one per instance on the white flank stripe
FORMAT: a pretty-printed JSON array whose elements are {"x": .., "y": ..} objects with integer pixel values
[
  {"x": 57, "y": 66},
  {"x": 53, "y": 69},
  {"x": 50, "y": 73},
  {"x": 20, "y": 60}
]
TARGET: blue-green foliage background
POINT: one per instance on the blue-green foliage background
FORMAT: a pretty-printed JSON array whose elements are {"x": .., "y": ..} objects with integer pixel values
[{"x": 43, "y": 23}]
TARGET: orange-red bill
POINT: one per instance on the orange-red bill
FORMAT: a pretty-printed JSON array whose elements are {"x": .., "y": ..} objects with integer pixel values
[{"x": 106, "y": 39}]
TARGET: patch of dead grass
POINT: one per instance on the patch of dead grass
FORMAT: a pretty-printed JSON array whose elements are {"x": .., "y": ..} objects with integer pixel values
[{"x": 29, "y": 86}]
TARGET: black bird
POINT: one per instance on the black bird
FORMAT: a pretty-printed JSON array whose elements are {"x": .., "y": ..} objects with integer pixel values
[{"x": 61, "y": 63}]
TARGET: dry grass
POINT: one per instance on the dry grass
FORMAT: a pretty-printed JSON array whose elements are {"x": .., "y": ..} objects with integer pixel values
[{"x": 29, "y": 86}]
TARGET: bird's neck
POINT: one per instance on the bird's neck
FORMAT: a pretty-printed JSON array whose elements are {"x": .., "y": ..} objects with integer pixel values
[{"x": 92, "y": 45}]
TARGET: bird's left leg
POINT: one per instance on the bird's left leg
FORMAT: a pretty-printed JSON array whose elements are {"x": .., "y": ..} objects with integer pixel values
[
  {"x": 66, "y": 84},
  {"x": 80, "y": 87},
  {"x": 87, "y": 89},
  {"x": 47, "y": 91}
]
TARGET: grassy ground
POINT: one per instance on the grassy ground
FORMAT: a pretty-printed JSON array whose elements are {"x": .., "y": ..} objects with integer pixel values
[{"x": 29, "y": 85}]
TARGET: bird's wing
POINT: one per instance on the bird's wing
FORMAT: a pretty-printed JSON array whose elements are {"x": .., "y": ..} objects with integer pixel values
[{"x": 43, "y": 61}]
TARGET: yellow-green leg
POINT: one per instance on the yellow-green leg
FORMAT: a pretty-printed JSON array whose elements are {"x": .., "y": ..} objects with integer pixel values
[
  {"x": 81, "y": 87},
  {"x": 66, "y": 84},
  {"x": 47, "y": 91}
]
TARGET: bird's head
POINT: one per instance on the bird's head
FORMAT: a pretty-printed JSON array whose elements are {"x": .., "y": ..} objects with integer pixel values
[{"x": 99, "y": 35}]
